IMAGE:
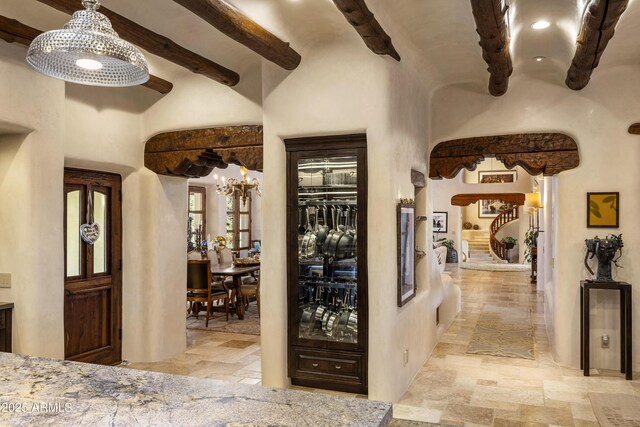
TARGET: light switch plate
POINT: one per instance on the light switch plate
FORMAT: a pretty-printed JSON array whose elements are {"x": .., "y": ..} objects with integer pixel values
[{"x": 5, "y": 280}]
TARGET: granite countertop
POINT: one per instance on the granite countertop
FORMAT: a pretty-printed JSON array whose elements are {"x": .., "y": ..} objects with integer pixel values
[{"x": 38, "y": 391}]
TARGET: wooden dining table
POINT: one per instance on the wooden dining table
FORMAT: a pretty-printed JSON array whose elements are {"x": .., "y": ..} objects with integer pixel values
[{"x": 235, "y": 272}]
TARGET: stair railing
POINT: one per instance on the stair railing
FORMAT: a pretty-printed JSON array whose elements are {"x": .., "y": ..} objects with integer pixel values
[{"x": 500, "y": 248}]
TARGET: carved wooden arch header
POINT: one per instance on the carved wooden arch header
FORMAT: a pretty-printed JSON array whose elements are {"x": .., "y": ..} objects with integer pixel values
[
  {"x": 467, "y": 199},
  {"x": 195, "y": 153},
  {"x": 536, "y": 153}
]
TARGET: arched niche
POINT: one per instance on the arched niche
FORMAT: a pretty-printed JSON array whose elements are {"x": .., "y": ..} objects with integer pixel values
[{"x": 536, "y": 153}]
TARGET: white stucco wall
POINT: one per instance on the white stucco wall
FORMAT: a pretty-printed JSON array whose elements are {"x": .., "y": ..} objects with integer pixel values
[
  {"x": 31, "y": 182},
  {"x": 598, "y": 118}
]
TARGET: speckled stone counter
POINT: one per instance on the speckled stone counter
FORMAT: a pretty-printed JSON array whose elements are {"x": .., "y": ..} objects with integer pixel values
[{"x": 37, "y": 391}]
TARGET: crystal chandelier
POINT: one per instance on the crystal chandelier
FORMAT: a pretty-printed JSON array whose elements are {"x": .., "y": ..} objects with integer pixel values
[
  {"x": 242, "y": 187},
  {"x": 88, "y": 51}
]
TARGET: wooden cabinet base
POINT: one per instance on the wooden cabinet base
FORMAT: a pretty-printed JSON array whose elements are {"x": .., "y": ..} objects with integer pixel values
[
  {"x": 328, "y": 369},
  {"x": 6, "y": 315}
]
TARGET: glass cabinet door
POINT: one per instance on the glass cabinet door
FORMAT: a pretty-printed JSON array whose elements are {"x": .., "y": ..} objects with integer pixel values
[{"x": 327, "y": 234}]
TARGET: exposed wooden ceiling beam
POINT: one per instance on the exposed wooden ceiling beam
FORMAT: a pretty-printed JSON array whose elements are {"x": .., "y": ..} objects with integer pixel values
[
  {"x": 195, "y": 153},
  {"x": 546, "y": 153},
  {"x": 634, "y": 129},
  {"x": 14, "y": 31},
  {"x": 242, "y": 29},
  {"x": 365, "y": 23},
  {"x": 598, "y": 27},
  {"x": 491, "y": 25},
  {"x": 156, "y": 44}
]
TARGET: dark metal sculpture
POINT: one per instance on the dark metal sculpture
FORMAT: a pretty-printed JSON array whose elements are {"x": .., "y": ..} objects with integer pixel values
[{"x": 605, "y": 250}]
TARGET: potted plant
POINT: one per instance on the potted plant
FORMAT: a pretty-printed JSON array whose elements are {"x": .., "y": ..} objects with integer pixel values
[{"x": 510, "y": 242}]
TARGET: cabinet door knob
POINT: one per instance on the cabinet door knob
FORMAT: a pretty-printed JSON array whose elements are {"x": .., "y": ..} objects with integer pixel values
[
  {"x": 315, "y": 365},
  {"x": 338, "y": 366}
]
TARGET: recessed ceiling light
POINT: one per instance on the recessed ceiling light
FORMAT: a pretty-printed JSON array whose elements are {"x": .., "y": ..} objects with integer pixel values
[
  {"x": 539, "y": 58},
  {"x": 540, "y": 25}
]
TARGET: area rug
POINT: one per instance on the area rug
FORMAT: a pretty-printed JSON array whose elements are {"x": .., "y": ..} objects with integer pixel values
[
  {"x": 250, "y": 325},
  {"x": 488, "y": 266},
  {"x": 503, "y": 331},
  {"x": 616, "y": 409}
]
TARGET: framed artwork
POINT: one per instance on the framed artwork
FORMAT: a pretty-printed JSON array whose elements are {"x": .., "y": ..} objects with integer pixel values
[
  {"x": 440, "y": 222},
  {"x": 497, "y": 177},
  {"x": 603, "y": 210},
  {"x": 491, "y": 208},
  {"x": 406, "y": 253}
]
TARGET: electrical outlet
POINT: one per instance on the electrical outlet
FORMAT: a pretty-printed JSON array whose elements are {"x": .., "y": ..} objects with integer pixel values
[
  {"x": 5, "y": 280},
  {"x": 605, "y": 341},
  {"x": 405, "y": 357}
]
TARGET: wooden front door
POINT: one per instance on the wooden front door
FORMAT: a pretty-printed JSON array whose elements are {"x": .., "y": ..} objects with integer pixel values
[{"x": 93, "y": 271}]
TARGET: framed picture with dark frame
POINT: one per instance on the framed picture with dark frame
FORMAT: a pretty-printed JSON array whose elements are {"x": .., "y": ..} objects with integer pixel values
[
  {"x": 492, "y": 208},
  {"x": 406, "y": 253},
  {"x": 497, "y": 177},
  {"x": 440, "y": 222},
  {"x": 603, "y": 210}
]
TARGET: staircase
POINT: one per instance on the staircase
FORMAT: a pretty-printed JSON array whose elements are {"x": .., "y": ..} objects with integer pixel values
[
  {"x": 499, "y": 247},
  {"x": 479, "y": 251}
]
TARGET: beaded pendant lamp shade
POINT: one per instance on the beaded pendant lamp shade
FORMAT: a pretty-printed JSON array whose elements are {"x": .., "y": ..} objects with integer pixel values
[{"x": 88, "y": 51}]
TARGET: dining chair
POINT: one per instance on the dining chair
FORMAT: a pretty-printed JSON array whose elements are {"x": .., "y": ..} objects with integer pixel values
[
  {"x": 194, "y": 255},
  {"x": 225, "y": 256},
  {"x": 249, "y": 291},
  {"x": 199, "y": 288}
]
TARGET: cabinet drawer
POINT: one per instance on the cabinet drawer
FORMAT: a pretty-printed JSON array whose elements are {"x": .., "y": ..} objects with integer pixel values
[
  {"x": 326, "y": 363},
  {"x": 3, "y": 323},
  {"x": 340, "y": 366}
]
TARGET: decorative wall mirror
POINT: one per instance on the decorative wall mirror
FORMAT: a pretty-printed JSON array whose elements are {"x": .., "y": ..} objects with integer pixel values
[{"x": 406, "y": 253}]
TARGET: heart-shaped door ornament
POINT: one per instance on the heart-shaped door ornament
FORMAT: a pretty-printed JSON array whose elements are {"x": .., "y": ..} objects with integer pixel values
[{"x": 90, "y": 233}]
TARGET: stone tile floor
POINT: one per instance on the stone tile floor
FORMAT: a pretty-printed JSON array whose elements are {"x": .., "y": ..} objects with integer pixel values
[
  {"x": 218, "y": 355},
  {"x": 459, "y": 389},
  {"x": 453, "y": 388}
]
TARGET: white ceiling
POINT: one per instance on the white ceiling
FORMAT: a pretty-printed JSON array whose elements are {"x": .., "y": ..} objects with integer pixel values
[{"x": 442, "y": 32}]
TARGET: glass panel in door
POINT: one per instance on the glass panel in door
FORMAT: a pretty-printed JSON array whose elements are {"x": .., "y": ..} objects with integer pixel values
[
  {"x": 100, "y": 204},
  {"x": 327, "y": 236},
  {"x": 74, "y": 247}
]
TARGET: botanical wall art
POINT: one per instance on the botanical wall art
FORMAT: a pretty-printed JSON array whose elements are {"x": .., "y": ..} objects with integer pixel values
[
  {"x": 603, "y": 210},
  {"x": 497, "y": 177},
  {"x": 440, "y": 222},
  {"x": 491, "y": 208},
  {"x": 406, "y": 253}
]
